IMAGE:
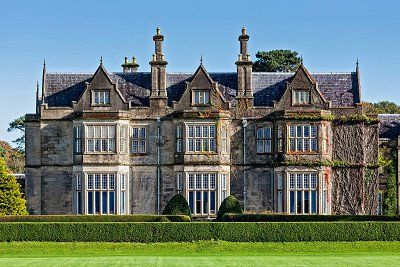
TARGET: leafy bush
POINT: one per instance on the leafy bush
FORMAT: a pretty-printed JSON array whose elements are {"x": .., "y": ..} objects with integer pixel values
[
  {"x": 229, "y": 205},
  {"x": 195, "y": 231},
  {"x": 177, "y": 205},
  {"x": 95, "y": 218},
  {"x": 303, "y": 218}
]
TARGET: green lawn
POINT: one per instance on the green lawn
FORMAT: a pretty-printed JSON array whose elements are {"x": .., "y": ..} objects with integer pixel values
[{"x": 206, "y": 253}]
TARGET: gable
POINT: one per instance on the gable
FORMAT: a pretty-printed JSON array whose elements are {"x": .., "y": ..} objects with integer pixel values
[
  {"x": 302, "y": 93},
  {"x": 201, "y": 87}
]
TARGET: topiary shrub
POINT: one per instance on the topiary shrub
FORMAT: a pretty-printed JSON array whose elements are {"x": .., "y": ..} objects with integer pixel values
[
  {"x": 177, "y": 205},
  {"x": 229, "y": 205}
]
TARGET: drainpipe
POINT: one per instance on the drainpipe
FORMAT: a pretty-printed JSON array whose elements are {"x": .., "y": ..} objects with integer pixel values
[
  {"x": 158, "y": 164},
  {"x": 244, "y": 123}
]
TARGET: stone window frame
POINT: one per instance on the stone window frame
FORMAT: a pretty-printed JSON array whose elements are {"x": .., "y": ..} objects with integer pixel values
[
  {"x": 97, "y": 187},
  {"x": 95, "y": 94},
  {"x": 179, "y": 138},
  {"x": 95, "y": 139},
  {"x": 301, "y": 97},
  {"x": 123, "y": 138},
  {"x": 296, "y": 138},
  {"x": 188, "y": 137},
  {"x": 262, "y": 139},
  {"x": 77, "y": 136},
  {"x": 204, "y": 94},
  {"x": 139, "y": 139}
]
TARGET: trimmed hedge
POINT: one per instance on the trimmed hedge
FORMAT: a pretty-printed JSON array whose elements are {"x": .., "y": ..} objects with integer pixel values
[
  {"x": 96, "y": 218},
  {"x": 304, "y": 218},
  {"x": 188, "y": 232},
  {"x": 177, "y": 205},
  {"x": 229, "y": 205}
]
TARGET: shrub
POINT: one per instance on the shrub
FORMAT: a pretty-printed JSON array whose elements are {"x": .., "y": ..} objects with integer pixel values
[
  {"x": 303, "y": 218},
  {"x": 195, "y": 231},
  {"x": 96, "y": 218},
  {"x": 229, "y": 205},
  {"x": 177, "y": 205}
]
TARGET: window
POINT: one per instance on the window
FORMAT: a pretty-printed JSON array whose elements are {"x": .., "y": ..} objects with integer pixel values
[
  {"x": 303, "y": 138},
  {"x": 379, "y": 208},
  {"x": 301, "y": 97},
  {"x": 77, "y": 140},
  {"x": 224, "y": 192},
  {"x": 303, "y": 193},
  {"x": 201, "y": 97},
  {"x": 123, "y": 182},
  {"x": 139, "y": 139},
  {"x": 179, "y": 139},
  {"x": 78, "y": 181},
  {"x": 100, "y": 138},
  {"x": 201, "y": 138},
  {"x": 101, "y": 193},
  {"x": 264, "y": 139},
  {"x": 280, "y": 192},
  {"x": 123, "y": 139},
  {"x": 101, "y": 97},
  {"x": 202, "y": 193},
  {"x": 179, "y": 182},
  {"x": 224, "y": 139},
  {"x": 279, "y": 139}
]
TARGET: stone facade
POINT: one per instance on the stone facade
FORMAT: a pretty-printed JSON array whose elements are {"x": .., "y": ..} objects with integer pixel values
[{"x": 127, "y": 142}]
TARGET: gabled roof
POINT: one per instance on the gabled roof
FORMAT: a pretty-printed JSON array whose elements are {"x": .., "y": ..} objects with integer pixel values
[
  {"x": 389, "y": 125},
  {"x": 339, "y": 88}
]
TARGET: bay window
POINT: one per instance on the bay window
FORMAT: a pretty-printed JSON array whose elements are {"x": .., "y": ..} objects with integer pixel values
[
  {"x": 303, "y": 195},
  {"x": 100, "y": 138},
  {"x": 201, "y": 138},
  {"x": 100, "y": 193},
  {"x": 303, "y": 138},
  {"x": 202, "y": 193}
]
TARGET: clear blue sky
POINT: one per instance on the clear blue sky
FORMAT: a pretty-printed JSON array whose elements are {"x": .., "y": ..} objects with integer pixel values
[{"x": 72, "y": 35}]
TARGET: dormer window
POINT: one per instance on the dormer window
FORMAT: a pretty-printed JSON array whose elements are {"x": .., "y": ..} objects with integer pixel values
[
  {"x": 201, "y": 97},
  {"x": 101, "y": 97},
  {"x": 301, "y": 97}
]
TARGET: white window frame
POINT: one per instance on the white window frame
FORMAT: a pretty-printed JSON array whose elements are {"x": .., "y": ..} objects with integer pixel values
[
  {"x": 78, "y": 193},
  {"x": 264, "y": 139},
  {"x": 303, "y": 184},
  {"x": 201, "y": 138},
  {"x": 224, "y": 138},
  {"x": 301, "y": 97},
  {"x": 101, "y": 97},
  {"x": 201, "y": 97},
  {"x": 123, "y": 180},
  {"x": 101, "y": 183},
  {"x": 77, "y": 139},
  {"x": 202, "y": 184},
  {"x": 179, "y": 138},
  {"x": 100, "y": 138},
  {"x": 139, "y": 139},
  {"x": 302, "y": 138}
]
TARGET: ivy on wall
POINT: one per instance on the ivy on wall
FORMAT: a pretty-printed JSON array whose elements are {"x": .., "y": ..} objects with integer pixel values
[{"x": 388, "y": 168}]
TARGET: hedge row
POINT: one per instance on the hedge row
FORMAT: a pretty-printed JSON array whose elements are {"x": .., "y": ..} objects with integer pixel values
[
  {"x": 304, "y": 218},
  {"x": 96, "y": 218},
  {"x": 188, "y": 232}
]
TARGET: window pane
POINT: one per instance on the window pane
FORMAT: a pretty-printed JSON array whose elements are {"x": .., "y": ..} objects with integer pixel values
[
  {"x": 212, "y": 202},
  {"x": 205, "y": 202},
  {"x": 313, "y": 202},
  {"x": 299, "y": 181},
  {"x": 291, "y": 202},
  {"x": 260, "y": 133},
  {"x": 212, "y": 131},
  {"x": 97, "y": 202},
  {"x": 267, "y": 131},
  {"x": 90, "y": 202},
  {"x": 191, "y": 201},
  {"x": 135, "y": 133},
  {"x": 299, "y": 202},
  {"x": 111, "y": 131},
  {"x": 268, "y": 146},
  {"x": 198, "y": 202},
  {"x": 306, "y": 202},
  {"x": 122, "y": 204},
  {"x": 260, "y": 146},
  {"x": 143, "y": 132},
  {"x": 299, "y": 131},
  {"x": 104, "y": 200},
  {"x": 112, "y": 202},
  {"x": 191, "y": 131}
]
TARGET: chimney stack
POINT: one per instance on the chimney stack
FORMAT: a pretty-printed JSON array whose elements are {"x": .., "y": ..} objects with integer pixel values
[
  {"x": 130, "y": 67},
  {"x": 244, "y": 71}
]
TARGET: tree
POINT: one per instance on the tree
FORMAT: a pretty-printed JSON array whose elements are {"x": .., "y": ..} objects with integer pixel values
[
  {"x": 18, "y": 126},
  {"x": 229, "y": 205},
  {"x": 11, "y": 201},
  {"x": 276, "y": 61},
  {"x": 382, "y": 107},
  {"x": 177, "y": 205},
  {"x": 14, "y": 158}
]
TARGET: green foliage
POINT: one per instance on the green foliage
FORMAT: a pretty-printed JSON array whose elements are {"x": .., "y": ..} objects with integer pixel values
[
  {"x": 11, "y": 201},
  {"x": 189, "y": 232},
  {"x": 177, "y": 205},
  {"x": 96, "y": 218},
  {"x": 304, "y": 218},
  {"x": 18, "y": 126},
  {"x": 276, "y": 61},
  {"x": 229, "y": 205},
  {"x": 15, "y": 158},
  {"x": 388, "y": 167},
  {"x": 382, "y": 107}
]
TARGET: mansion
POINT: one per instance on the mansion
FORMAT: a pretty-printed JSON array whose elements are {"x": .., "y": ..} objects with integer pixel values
[{"x": 126, "y": 142}]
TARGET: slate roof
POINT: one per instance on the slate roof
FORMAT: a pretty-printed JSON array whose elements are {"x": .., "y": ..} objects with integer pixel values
[
  {"x": 389, "y": 125},
  {"x": 63, "y": 88}
]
